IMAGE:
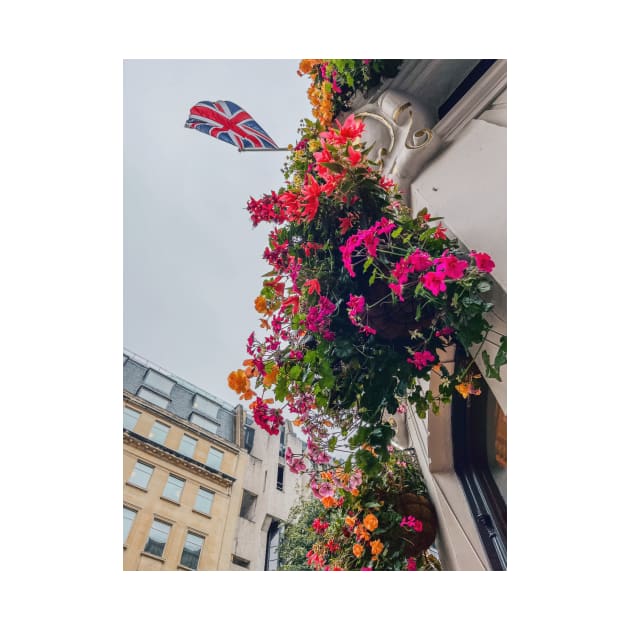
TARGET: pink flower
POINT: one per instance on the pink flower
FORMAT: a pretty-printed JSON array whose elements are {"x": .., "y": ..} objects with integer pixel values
[
  {"x": 421, "y": 359},
  {"x": 397, "y": 289},
  {"x": 411, "y": 564},
  {"x": 313, "y": 286},
  {"x": 483, "y": 261},
  {"x": 452, "y": 266},
  {"x": 419, "y": 260},
  {"x": 367, "y": 569},
  {"x": 434, "y": 281},
  {"x": 444, "y": 332}
]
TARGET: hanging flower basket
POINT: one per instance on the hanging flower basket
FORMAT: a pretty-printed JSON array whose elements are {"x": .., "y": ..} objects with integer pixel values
[{"x": 421, "y": 509}]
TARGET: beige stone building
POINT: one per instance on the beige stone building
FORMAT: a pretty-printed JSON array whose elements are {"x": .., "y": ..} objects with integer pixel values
[
  {"x": 439, "y": 129},
  {"x": 203, "y": 488}
]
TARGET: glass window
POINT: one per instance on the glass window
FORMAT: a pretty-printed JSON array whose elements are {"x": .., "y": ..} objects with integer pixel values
[
  {"x": 130, "y": 418},
  {"x": 248, "y": 505},
  {"x": 192, "y": 551},
  {"x": 141, "y": 475},
  {"x": 128, "y": 517},
  {"x": 173, "y": 488},
  {"x": 157, "y": 538},
  {"x": 204, "y": 500},
  {"x": 280, "y": 481},
  {"x": 215, "y": 458},
  {"x": 208, "y": 425},
  {"x": 154, "y": 398},
  {"x": 187, "y": 445},
  {"x": 206, "y": 406},
  {"x": 158, "y": 381},
  {"x": 159, "y": 432}
]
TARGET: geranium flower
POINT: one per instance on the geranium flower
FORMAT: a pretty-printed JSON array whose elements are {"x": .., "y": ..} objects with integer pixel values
[
  {"x": 313, "y": 286},
  {"x": 433, "y": 281},
  {"x": 421, "y": 359},
  {"x": 355, "y": 156},
  {"x": 411, "y": 564},
  {"x": 452, "y": 266},
  {"x": 483, "y": 261}
]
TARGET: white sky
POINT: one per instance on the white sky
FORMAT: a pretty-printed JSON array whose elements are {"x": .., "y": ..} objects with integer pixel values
[{"x": 192, "y": 260}]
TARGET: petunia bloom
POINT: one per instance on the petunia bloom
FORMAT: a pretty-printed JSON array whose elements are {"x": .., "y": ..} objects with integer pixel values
[{"x": 433, "y": 281}]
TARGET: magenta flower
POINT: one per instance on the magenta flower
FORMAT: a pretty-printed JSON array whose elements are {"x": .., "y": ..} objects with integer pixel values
[
  {"x": 483, "y": 261},
  {"x": 452, "y": 266},
  {"x": 411, "y": 564},
  {"x": 421, "y": 359},
  {"x": 433, "y": 281}
]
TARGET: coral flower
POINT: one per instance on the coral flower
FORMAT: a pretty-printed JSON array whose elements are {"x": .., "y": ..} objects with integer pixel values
[
  {"x": 313, "y": 286},
  {"x": 370, "y": 522},
  {"x": 238, "y": 381},
  {"x": 377, "y": 547},
  {"x": 260, "y": 304},
  {"x": 328, "y": 502},
  {"x": 358, "y": 550}
]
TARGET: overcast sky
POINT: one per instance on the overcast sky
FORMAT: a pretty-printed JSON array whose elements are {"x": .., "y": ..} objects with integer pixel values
[{"x": 192, "y": 260}]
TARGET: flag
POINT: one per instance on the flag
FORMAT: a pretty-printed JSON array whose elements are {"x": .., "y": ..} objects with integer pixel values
[{"x": 229, "y": 122}]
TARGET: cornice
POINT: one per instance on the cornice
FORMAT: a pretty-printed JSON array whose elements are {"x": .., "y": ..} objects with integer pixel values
[{"x": 163, "y": 453}]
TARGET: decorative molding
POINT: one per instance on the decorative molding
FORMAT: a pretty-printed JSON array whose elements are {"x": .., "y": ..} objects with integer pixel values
[
  {"x": 480, "y": 96},
  {"x": 222, "y": 479}
]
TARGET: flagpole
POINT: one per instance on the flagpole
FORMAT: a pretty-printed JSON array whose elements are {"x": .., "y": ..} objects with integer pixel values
[{"x": 278, "y": 149}]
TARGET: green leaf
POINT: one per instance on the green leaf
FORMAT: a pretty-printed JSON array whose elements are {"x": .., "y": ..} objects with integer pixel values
[
  {"x": 295, "y": 372},
  {"x": 332, "y": 443},
  {"x": 397, "y": 232},
  {"x": 484, "y": 286},
  {"x": 333, "y": 166},
  {"x": 367, "y": 263}
]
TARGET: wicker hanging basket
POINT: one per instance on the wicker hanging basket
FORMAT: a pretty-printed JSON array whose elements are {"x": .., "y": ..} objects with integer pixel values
[{"x": 409, "y": 504}]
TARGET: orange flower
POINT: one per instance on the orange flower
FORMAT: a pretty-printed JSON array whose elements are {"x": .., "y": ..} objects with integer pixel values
[
  {"x": 467, "y": 389},
  {"x": 377, "y": 547},
  {"x": 370, "y": 522},
  {"x": 361, "y": 532},
  {"x": 328, "y": 502},
  {"x": 306, "y": 65},
  {"x": 350, "y": 521},
  {"x": 238, "y": 381},
  {"x": 358, "y": 550},
  {"x": 271, "y": 377},
  {"x": 355, "y": 492},
  {"x": 260, "y": 304}
]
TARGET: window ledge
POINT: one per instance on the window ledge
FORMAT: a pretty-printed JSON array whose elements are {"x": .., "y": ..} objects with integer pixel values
[
  {"x": 185, "y": 568},
  {"x": 202, "y": 513},
  {"x": 133, "y": 485},
  {"x": 171, "y": 501},
  {"x": 151, "y": 555}
]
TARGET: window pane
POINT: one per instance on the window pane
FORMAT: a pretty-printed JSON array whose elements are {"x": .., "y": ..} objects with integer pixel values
[
  {"x": 280, "y": 481},
  {"x": 159, "y": 382},
  {"x": 130, "y": 418},
  {"x": 128, "y": 517},
  {"x": 204, "y": 500},
  {"x": 173, "y": 488},
  {"x": 159, "y": 432},
  {"x": 154, "y": 398},
  {"x": 141, "y": 474},
  {"x": 187, "y": 445},
  {"x": 213, "y": 427},
  {"x": 215, "y": 458},
  {"x": 205, "y": 406},
  {"x": 157, "y": 538},
  {"x": 191, "y": 551}
]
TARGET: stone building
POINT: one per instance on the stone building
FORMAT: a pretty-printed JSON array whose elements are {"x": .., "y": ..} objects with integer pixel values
[{"x": 203, "y": 488}]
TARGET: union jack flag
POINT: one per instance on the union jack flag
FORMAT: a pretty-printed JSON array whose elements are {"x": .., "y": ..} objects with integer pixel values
[{"x": 229, "y": 122}]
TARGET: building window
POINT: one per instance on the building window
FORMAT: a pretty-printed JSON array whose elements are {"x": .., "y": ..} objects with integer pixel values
[
  {"x": 159, "y": 432},
  {"x": 273, "y": 541},
  {"x": 280, "y": 480},
  {"x": 157, "y": 538},
  {"x": 192, "y": 551},
  {"x": 128, "y": 517},
  {"x": 130, "y": 418},
  {"x": 157, "y": 381},
  {"x": 141, "y": 475},
  {"x": 206, "y": 406},
  {"x": 203, "y": 502},
  {"x": 248, "y": 505},
  {"x": 173, "y": 488},
  {"x": 282, "y": 442},
  {"x": 204, "y": 423},
  {"x": 187, "y": 445},
  {"x": 152, "y": 397},
  {"x": 215, "y": 458}
]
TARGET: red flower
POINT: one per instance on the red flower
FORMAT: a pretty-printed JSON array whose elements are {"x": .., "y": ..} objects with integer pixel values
[
  {"x": 439, "y": 232},
  {"x": 312, "y": 286},
  {"x": 434, "y": 281},
  {"x": 483, "y": 261}
]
